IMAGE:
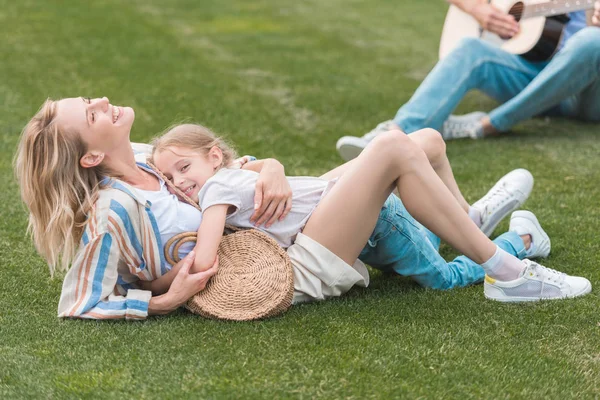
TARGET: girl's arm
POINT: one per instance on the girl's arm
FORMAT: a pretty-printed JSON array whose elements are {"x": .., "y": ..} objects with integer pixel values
[
  {"x": 273, "y": 194},
  {"x": 209, "y": 237}
]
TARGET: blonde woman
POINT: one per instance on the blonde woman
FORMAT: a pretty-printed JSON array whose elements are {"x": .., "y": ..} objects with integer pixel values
[{"x": 90, "y": 210}]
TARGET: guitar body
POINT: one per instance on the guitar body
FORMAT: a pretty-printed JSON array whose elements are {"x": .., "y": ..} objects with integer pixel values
[{"x": 537, "y": 40}]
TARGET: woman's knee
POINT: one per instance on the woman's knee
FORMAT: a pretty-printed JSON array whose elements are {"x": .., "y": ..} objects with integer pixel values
[
  {"x": 397, "y": 147},
  {"x": 432, "y": 143}
]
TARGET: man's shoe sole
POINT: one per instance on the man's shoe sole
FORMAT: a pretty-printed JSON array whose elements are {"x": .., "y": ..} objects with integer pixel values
[{"x": 349, "y": 147}]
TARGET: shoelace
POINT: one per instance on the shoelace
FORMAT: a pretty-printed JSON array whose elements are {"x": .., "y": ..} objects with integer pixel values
[
  {"x": 550, "y": 273},
  {"x": 460, "y": 129},
  {"x": 495, "y": 197}
]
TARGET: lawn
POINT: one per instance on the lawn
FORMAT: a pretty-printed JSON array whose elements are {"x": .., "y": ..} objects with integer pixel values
[{"x": 285, "y": 79}]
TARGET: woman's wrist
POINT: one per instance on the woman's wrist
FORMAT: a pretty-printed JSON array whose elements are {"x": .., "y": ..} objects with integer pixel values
[
  {"x": 164, "y": 304},
  {"x": 272, "y": 163}
]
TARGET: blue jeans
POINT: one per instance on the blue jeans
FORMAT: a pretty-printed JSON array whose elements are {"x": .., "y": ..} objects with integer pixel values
[
  {"x": 568, "y": 85},
  {"x": 401, "y": 244}
]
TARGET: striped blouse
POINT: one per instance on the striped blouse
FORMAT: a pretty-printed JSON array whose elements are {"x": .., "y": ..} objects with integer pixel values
[{"x": 120, "y": 245}]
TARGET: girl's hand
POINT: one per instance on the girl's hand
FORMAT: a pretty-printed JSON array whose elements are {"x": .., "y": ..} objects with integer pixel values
[
  {"x": 273, "y": 195},
  {"x": 187, "y": 284},
  {"x": 596, "y": 15},
  {"x": 493, "y": 20},
  {"x": 240, "y": 162}
]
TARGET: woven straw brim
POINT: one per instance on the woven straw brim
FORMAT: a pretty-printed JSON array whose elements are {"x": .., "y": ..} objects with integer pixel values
[{"x": 254, "y": 280}]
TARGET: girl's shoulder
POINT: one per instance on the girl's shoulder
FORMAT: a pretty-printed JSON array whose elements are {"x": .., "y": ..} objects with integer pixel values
[{"x": 234, "y": 175}]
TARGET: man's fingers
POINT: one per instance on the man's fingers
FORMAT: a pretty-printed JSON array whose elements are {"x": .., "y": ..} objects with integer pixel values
[
  {"x": 276, "y": 214},
  {"x": 502, "y": 24}
]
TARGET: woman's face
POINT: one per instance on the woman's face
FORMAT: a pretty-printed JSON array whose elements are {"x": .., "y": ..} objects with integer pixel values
[{"x": 102, "y": 126}]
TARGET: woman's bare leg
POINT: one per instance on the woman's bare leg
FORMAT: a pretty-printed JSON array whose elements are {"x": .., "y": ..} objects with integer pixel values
[
  {"x": 432, "y": 143},
  {"x": 434, "y": 147},
  {"x": 346, "y": 217}
]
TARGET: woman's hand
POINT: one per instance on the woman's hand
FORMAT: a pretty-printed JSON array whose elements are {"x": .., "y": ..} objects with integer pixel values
[
  {"x": 187, "y": 284},
  {"x": 492, "y": 19},
  {"x": 273, "y": 195},
  {"x": 596, "y": 15}
]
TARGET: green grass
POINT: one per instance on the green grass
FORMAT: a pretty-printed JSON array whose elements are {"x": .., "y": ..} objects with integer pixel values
[{"x": 285, "y": 79}]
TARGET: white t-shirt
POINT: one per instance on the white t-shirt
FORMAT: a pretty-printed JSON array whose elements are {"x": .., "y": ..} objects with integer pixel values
[
  {"x": 172, "y": 216},
  {"x": 236, "y": 187}
]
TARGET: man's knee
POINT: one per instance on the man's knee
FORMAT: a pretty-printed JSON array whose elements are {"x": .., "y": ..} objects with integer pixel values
[
  {"x": 584, "y": 46},
  {"x": 472, "y": 47}
]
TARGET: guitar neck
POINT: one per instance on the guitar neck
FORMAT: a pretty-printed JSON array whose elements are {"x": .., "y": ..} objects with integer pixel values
[{"x": 556, "y": 7}]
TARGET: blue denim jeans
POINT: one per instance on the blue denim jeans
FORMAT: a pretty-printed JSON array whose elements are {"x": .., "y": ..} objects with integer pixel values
[
  {"x": 401, "y": 244},
  {"x": 568, "y": 85}
]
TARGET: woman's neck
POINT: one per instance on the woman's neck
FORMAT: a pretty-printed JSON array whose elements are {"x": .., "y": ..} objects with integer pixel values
[{"x": 122, "y": 163}]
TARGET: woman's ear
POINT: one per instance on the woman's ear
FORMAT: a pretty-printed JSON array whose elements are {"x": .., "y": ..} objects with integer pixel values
[
  {"x": 91, "y": 159},
  {"x": 215, "y": 155}
]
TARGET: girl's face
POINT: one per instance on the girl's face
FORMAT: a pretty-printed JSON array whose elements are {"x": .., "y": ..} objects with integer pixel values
[
  {"x": 102, "y": 126},
  {"x": 187, "y": 169}
]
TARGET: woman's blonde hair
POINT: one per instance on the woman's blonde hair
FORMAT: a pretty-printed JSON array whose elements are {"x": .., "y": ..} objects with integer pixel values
[
  {"x": 57, "y": 191},
  {"x": 194, "y": 137}
]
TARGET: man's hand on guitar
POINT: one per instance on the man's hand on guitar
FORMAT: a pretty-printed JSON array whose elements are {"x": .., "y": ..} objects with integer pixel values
[
  {"x": 596, "y": 15},
  {"x": 493, "y": 20}
]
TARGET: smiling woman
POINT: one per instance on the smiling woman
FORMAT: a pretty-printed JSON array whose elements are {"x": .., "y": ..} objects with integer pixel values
[{"x": 90, "y": 214}]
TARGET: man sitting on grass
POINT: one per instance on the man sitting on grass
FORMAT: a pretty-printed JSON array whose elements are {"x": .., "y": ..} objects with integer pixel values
[{"x": 567, "y": 85}]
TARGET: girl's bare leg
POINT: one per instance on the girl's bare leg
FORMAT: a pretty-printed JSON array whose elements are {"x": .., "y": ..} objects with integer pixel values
[
  {"x": 346, "y": 217},
  {"x": 432, "y": 143}
]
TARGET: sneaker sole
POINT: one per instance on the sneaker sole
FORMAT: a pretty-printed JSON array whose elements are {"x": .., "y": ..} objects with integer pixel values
[
  {"x": 508, "y": 299},
  {"x": 349, "y": 150},
  {"x": 489, "y": 229},
  {"x": 529, "y": 216}
]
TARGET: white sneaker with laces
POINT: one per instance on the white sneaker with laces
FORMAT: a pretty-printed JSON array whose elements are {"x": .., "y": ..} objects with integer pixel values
[
  {"x": 536, "y": 283},
  {"x": 525, "y": 223},
  {"x": 463, "y": 126},
  {"x": 508, "y": 194},
  {"x": 350, "y": 147}
]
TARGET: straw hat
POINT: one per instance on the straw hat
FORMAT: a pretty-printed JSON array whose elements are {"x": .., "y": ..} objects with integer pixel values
[{"x": 254, "y": 280}]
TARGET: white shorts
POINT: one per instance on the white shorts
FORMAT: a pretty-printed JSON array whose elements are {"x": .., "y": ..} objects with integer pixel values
[{"x": 320, "y": 274}]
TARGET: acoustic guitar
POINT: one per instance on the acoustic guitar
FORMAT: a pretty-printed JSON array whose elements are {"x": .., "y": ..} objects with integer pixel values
[{"x": 541, "y": 26}]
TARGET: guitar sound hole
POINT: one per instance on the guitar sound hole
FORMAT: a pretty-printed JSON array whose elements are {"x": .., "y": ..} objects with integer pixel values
[{"x": 517, "y": 10}]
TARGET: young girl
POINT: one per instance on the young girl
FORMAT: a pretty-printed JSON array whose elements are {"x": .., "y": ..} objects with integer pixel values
[{"x": 341, "y": 214}]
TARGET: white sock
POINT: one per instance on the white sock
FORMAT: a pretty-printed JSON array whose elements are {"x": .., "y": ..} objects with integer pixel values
[
  {"x": 475, "y": 216},
  {"x": 503, "y": 266}
]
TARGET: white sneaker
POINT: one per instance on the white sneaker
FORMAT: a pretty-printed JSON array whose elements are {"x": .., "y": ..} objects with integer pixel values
[
  {"x": 536, "y": 283},
  {"x": 350, "y": 147},
  {"x": 524, "y": 223},
  {"x": 463, "y": 126},
  {"x": 508, "y": 194}
]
